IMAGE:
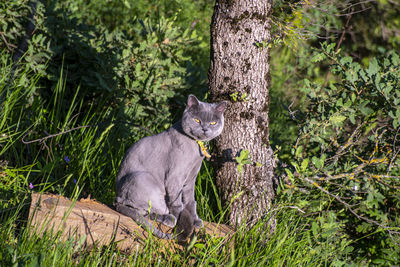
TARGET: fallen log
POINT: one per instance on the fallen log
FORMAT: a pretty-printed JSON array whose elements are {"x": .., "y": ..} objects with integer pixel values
[{"x": 96, "y": 223}]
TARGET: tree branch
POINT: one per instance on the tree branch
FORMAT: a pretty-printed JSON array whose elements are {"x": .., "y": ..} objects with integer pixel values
[
  {"x": 344, "y": 203},
  {"x": 41, "y": 140}
]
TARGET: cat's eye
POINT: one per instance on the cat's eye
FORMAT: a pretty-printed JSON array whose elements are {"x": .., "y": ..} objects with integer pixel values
[
  {"x": 213, "y": 122},
  {"x": 197, "y": 120}
]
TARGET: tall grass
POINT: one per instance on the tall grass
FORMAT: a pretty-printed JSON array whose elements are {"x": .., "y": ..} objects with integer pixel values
[{"x": 83, "y": 161}]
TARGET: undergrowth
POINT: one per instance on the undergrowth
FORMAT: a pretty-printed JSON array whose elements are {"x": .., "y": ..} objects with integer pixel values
[
  {"x": 45, "y": 148},
  {"x": 92, "y": 82}
]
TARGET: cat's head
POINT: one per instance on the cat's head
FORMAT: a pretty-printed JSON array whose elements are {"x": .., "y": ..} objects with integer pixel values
[{"x": 203, "y": 121}]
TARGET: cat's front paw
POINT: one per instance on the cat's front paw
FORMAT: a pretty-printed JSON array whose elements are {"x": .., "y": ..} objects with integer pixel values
[
  {"x": 169, "y": 220},
  {"x": 198, "y": 223}
]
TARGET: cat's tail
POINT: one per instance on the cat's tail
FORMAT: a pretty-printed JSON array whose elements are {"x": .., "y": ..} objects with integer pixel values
[{"x": 142, "y": 221}]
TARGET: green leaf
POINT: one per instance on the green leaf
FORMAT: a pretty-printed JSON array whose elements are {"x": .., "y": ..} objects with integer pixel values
[
  {"x": 353, "y": 97},
  {"x": 346, "y": 60},
  {"x": 315, "y": 228},
  {"x": 348, "y": 249},
  {"x": 395, "y": 123},
  {"x": 290, "y": 174},
  {"x": 330, "y": 48},
  {"x": 316, "y": 161},
  {"x": 318, "y": 57},
  {"x": 243, "y": 156},
  {"x": 366, "y": 110},
  {"x": 337, "y": 119},
  {"x": 200, "y": 246},
  {"x": 339, "y": 103},
  {"x": 299, "y": 151},
  {"x": 304, "y": 164},
  {"x": 373, "y": 67},
  {"x": 352, "y": 118},
  {"x": 395, "y": 59}
]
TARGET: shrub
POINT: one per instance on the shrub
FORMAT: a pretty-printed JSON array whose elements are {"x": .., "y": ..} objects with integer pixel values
[
  {"x": 141, "y": 69},
  {"x": 346, "y": 166}
]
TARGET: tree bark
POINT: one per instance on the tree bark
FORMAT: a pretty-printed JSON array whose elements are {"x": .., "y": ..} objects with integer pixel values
[
  {"x": 96, "y": 224},
  {"x": 240, "y": 74}
]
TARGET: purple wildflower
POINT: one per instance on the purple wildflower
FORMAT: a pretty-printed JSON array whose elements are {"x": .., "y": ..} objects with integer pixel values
[
  {"x": 31, "y": 186},
  {"x": 67, "y": 160},
  {"x": 75, "y": 181},
  {"x": 193, "y": 24}
]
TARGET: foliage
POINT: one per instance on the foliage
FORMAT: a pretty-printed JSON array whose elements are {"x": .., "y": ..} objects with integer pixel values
[
  {"x": 87, "y": 159},
  {"x": 346, "y": 163},
  {"x": 121, "y": 16},
  {"x": 360, "y": 29},
  {"x": 134, "y": 78},
  {"x": 154, "y": 69},
  {"x": 95, "y": 70},
  {"x": 369, "y": 26},
  {"x": 14, "y": 18},
  {"x": 120, "y": 65},
  {"x": 247, "y": 248}
]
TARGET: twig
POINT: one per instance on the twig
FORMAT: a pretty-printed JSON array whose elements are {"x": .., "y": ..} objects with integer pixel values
[
  {"x": 290, "y": 207},
  {"x": 9, "y": 46},
  {"x": 41, "y": 140},
  {"x": 396, "y": 151},
  {"x": 349, "y": 143},
  {"x": 344, "y": 203},
  {"x": 292, "y": 114},
  {"x": 346, "y": 26}
]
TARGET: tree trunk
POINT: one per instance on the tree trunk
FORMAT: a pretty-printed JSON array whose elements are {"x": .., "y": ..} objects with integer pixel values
[
  {"x": 94, "y": 223},
  {"x": 240, "y": 74}
]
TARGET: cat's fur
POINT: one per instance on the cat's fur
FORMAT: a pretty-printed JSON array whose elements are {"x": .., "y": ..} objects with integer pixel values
[{"x": 158, "y": 173}]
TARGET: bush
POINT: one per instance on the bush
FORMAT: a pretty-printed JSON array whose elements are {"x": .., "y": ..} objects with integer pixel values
[
  {"x": 346, "y": 164},
  {"x": 139, "y": 67}
]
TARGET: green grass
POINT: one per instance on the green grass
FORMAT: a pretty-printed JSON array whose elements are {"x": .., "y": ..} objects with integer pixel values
[
  {"x": 288, "y": 246},
  {"x": 85, "y": 161}
]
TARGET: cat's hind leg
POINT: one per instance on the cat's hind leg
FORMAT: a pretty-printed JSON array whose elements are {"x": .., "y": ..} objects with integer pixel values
[
  {"x": 190, "y": 203},
  {"x": 166, "y": 219},
  {"x": 141, "y": 220},
  {"x": 147, "y": 195},
  {"x": 191, "y": 207}
]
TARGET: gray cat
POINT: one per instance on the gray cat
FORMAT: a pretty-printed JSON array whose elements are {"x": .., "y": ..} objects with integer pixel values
[{"x": 158, "y": 173}]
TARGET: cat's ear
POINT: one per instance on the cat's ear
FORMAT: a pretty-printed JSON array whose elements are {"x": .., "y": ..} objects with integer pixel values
[
  {"x": 192, "y": 101},
  {"x": 221, "y": 106}
]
